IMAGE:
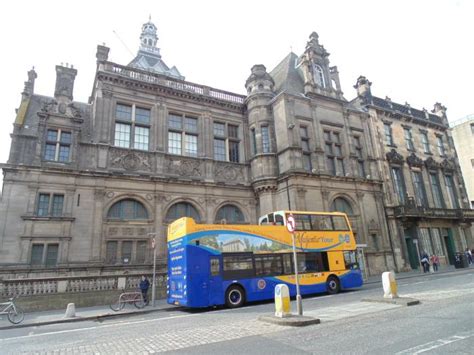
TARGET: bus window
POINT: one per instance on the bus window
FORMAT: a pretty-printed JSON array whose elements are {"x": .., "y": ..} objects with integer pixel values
[
  {"x": 340, "y": 223},
  {"x": 350, "y": 259},
  {"x": 321, "y": 222},
  {"x": 270, "y": 218},
  {"x": 287, "y": 264},
  {"x": 238, "y": 266},
  {"x": 264, "y": 221},
  {"x": 268, "y": 265},
  {"x": 303, "y": 222},
  {"x": 279, "y": 220},
  {"x": 214, "y": 266}
]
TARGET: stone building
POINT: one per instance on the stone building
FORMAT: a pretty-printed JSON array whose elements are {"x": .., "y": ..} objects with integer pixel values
[
  {"x": 88, "y": 184},
  {"x": 463, "y": 135},
  {"x": 424, "y": 195}
]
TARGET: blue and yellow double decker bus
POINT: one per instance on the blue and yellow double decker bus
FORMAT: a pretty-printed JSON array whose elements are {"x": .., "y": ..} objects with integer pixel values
[{"x": 217, "y": 264}]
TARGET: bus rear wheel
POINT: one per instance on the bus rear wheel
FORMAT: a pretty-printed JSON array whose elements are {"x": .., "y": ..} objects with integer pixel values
[
  {"x": 234, "y": 297},
  {"x": 333, "y": 285}
]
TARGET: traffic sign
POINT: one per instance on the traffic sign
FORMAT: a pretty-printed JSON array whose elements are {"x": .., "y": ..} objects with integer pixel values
[{"x": 290, "y": 223}]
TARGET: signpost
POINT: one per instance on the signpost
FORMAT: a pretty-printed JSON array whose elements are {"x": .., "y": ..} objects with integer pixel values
[
  {"x": 153, "y": 245},
  {"x": 291, "y": 226}
]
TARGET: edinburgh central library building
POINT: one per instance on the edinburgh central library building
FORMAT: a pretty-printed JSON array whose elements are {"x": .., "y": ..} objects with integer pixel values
[{"x": 88, "y": 184}]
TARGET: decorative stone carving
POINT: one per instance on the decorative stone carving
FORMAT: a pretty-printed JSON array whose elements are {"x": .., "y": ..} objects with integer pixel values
[
  {"x": 413, "y": 160},
  {"x": 394, "y": 157},
  {"x": 127, "y": 231},
  {"x": 448, "y": 165},
  {"x": 141, "y": 231},
  {"x": 325, "y": 194},
  {"x": 229, "y": 172},
  {"x": 373, "y": 226},
  {"x": 431, "y": 163},
  {"x": 184, "y": 167},
  {"x": 49, "y": 106},
  {"x": 130, "y": 161},
  {"x": 99, "y": 194},
  {"x": 149, "y": 197},
  {"x": 113, "y": 231},
  {"x": 110, "y": 194}
]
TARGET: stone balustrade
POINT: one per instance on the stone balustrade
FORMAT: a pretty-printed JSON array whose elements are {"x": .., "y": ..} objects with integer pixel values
[{"x": 76, "y": 284}]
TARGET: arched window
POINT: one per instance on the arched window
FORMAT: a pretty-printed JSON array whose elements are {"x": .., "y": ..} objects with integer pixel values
[
  {"x": 319, "y": 76},
  {"x": 231, "y": 214},
  {"x": 182, "y": 209},
  {"x": 127, "y": 209},
  {"x": 341, "y": 205}
]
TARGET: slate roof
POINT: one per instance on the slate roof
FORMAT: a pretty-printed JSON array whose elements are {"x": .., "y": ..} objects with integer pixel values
[
  {"x": 288, "y": 78},
  {"x": 150, "y": 61},
  {"x": 395, "y": 107}
]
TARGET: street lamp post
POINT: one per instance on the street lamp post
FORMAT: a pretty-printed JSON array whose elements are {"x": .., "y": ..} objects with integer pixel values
[
  {"x": 291, "y": 226},
  {"x": 153, "y": 245}
]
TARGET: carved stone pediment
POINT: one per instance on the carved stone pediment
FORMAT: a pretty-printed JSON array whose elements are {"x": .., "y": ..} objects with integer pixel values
[
  {"x": 184, "y": 167},
  {"x": 430, "y": 163},
  {"x": 448, "y": 165},
  {"x": 394, "y": 157},
  {"x": 229, "y": 172},
  {"x": 130, "y": 161},
  {"x": 413, "y": 160}
]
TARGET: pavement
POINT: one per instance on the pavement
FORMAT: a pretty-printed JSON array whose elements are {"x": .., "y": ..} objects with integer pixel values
[{"x": 100, "y": 312}]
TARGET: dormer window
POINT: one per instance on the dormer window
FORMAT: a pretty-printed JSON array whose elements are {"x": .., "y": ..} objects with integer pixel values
[{"x": 319, "y": 76}]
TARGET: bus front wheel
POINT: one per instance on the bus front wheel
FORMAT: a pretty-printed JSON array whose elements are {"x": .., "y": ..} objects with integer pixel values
[
  {"x": 235, "y": 297},
  {"x": 333, "y": 285}
]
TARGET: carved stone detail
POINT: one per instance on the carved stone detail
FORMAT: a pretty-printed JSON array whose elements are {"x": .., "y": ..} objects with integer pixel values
[
  {"x": 229, "y": 173},
  {"x": 110, "y": 194},
  {"x": 448, "y": 165},
  {"x": 325, "y": 194},
  {"x": 129, "y": 161},
  {"x": 149, "y": 197},
  {"x": 99, "y": 194},
  {"x": 184, "y": 167},
  {"x": 127, "y": 231},
  {"x": 431, "y": 163},
  {"x": 413, "y": 160},
  {"x": 373, "y": 226},
  {"x": 394, "y": 157},
  {"x": 113, "y": 231}
]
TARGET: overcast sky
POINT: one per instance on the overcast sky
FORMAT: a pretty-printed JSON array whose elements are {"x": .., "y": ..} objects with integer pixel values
[{"x": 418, "y": 52}]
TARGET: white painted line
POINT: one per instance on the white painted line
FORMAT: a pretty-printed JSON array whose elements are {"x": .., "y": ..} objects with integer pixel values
[
  {"x": 437, "y": 343},
  {"x": 96, "y": 327}
]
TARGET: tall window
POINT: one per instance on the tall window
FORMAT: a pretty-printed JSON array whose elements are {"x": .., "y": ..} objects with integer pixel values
[
  {"x": 182, "y": 135},
  {"x": 58, "y": 145},
  {"x": 388, "y": 134},
  {"x": 333, "y": 150},
  {"x": 409, "y": 139},
  {"x": 436, "y": 190},
  {"x": 451, "y": 191},
  {"x": 182, "y": 209},
  {"x": 319, "y": 76},
  {"x": 360, "y": 156},
  {"x": 226, "y": 142},
  {"x": 425, "y": 142},
  {"x": 132, "y": 127},
  {"x": 419, "y": 186},
  {"x": 231, "y": 214},
  {"x": 399, "y": 184},
  {"x": 44, "y": 254},
  {"x": 265, "y": 139},
  {"x": 253, "y": 141},
  {"x": 341, "y": 205},
  {"x": 50, "y": 205},
  {"x": 439, "y": 141},
  {"x": 127, "y": 209},
  {"x": 111, "y": 252},
  {"x": 305, "y": 147}
]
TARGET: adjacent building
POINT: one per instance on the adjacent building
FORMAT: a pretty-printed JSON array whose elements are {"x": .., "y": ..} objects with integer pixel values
[{"x": 88, "y": 184}]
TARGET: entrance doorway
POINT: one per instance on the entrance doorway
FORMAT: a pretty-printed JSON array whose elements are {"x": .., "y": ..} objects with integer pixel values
[
  {"x": 449, "y": 243},
  {"x": 412, "y": 254}
]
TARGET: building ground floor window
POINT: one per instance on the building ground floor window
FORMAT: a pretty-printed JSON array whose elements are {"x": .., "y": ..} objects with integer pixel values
[
  {"x": 126, "y": 251},
  {"x": 44, "y": 254}
]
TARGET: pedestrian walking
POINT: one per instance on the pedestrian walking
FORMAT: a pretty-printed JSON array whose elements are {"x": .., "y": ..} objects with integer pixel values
[
  {"x": 435, "y": 262},
  {"x": 469, "y": 255},
  {"x": 144, "y": 285},
  {"x": 425, "y": 262}
]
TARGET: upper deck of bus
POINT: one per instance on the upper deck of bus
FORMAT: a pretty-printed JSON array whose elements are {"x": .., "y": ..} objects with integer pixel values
[{"x": 333, "y": 230}]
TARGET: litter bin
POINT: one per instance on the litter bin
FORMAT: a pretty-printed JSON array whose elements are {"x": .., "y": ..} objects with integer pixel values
[{"x": 460, "y": 261}]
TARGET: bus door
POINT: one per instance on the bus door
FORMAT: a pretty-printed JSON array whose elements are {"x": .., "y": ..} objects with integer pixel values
[{"x": 216, "y": 293}]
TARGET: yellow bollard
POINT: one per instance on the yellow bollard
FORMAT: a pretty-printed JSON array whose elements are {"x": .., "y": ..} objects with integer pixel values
[
  {"x": 282, "y": 301},
  {"x": 390, "y": 288}
]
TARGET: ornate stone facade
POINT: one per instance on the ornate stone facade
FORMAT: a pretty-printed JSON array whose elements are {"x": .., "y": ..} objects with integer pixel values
[{"x": 98, "y": 180}]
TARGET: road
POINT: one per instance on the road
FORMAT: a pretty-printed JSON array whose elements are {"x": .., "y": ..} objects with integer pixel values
[{"x": 443, "y": 323}]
